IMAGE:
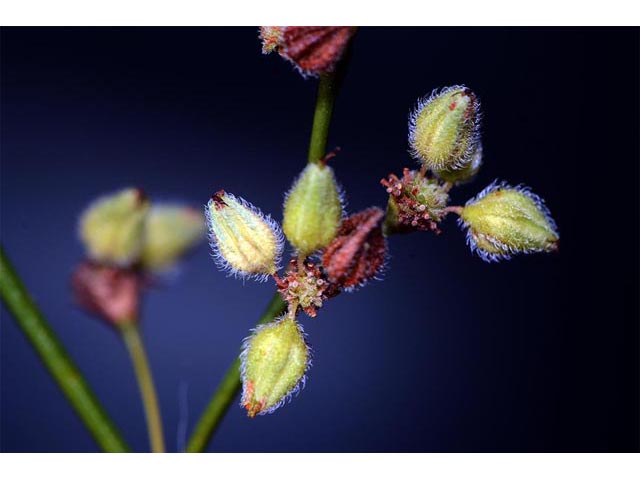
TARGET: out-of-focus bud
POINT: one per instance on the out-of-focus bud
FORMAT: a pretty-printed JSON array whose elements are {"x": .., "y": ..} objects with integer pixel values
[
  {"x": 313, "y": 50},
  {"x": 465, "y": 174},
  {"x": 504, "y": 220},
  {"x": 312, "y": 209},
  {"x": 415, "y": 203},
  {"x": 358, "y": 252},
  {"x": 244, "y": 240},
  {"x": 112, "y": 228},
  {"x": 171, "y": 230},
  {"x": 274, "y": 362},
  {"x": 111, "y": 293},
  {"x": 444, "y": 129}
]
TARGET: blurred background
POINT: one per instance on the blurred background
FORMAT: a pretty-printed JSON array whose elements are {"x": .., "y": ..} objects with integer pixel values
[{"x": 447, "y": 353}]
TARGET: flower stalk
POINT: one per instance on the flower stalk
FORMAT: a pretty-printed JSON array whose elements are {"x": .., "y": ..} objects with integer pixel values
[
  {"x": 132, "y": 339},
  {"x": 56, "y": 360}
]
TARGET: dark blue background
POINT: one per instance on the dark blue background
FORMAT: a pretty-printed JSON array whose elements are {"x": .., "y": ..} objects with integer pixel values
[{"x": 447, "y": 353}]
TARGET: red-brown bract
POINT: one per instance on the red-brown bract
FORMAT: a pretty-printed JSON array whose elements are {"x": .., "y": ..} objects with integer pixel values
[{"x": 358, "y": 252}]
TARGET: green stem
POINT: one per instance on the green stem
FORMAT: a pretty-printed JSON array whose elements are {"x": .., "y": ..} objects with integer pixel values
[
  {"x": 133, "y": 341},
  {"x": 327, "y": 92},
  {"x": 56, "y": 359},
  {"x": 227, "y": 389}
]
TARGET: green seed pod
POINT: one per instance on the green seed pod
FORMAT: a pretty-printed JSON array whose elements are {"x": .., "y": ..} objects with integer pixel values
[
  {"x": 444, "y": 129},
  {"x": 170, "y": 231},
  {"x": 244, "y": 240},
  {"x": 466, "y": 173},
  {"x": 112, "y": 228},
  {"x": 312, "y": 209},
  {"x": 274, "y": 362},
  {"x": 504, "y": 220}
]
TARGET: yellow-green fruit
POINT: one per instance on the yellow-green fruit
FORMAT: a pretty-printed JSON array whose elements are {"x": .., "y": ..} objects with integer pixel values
[
  {"x": 274, "y": 362},
  {"x": 112, "y": 228},
  {"x": 466, "y": 173},
  {"x": 504, "y": 220},
  {"x": 170, "y": 231},
  {"x": 444, "y": 129},
  {"x": 312, "y": 210},
  {"x": 244, "y": 240}
]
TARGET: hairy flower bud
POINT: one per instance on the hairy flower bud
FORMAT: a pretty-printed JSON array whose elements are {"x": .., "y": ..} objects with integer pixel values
[
  {"x": 312, "y": 209},
  {"x": 244, "y": 240},
  {"x": 274, "y": 362},
  {"x": 313, "y": 50},
  {"x": 170, "y": 231},
  {"x": 444, "y": 129},
  {"x": 504, "y": 220},
  {"x": 111, "y": 293},
  {"x": 358, "y": 253},
  {"x": 466, "y": 173},
  {"x": 112, "y": 228}
]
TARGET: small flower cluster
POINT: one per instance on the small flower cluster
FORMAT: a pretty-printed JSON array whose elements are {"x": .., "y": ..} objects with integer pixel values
[
  {"x": 444, "y": 136},
  {"x": 127, "y": 240}
]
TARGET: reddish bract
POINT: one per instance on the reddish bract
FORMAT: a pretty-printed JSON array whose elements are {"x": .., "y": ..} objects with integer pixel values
[{"x": 358, "y": 252}]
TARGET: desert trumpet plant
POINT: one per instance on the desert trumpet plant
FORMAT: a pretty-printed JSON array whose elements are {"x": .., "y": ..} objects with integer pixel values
[
  {"x": 128, "y": 240},
  {"x": 500, "y": 222}
]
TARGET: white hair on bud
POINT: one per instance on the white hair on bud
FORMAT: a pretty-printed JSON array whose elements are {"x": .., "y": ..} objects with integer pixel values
[
  {"x": 426, "y": 100},
  {"x": 296, "y": 389},
  {"x": 506, "y": 251},
  {"x": 221, "y": 262}
]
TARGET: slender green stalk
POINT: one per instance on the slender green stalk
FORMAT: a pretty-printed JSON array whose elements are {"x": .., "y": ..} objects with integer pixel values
[
  {"x": 227, "y": 389},
  {"x": 56, "y": 359},
  {"x": 327, "y": 92},
  {"x": 230, "y": 385},
  {"x": 133, "y": 341}
]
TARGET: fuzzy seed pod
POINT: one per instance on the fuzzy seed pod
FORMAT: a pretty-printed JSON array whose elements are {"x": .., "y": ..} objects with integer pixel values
[
  {"x": 112, "y": 228},
  {"x": 444, "y": 129},
  {"x": 170, "y": 231},
  {"x": 245, "y": 241},
  {"x": 358, "y": 253},
  {"x": 313, "y": 50},
  {"x": 275, "y": 359},
  {"x": 466, "y": 173},
  {"x": 504, "y": 220},
  {"x": 312, "y": 209}
]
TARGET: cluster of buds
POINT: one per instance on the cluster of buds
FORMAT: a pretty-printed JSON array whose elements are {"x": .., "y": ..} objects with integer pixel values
[
  {"x": 348, "y": 251},
  {"x": 312, "y": 50},
  {"x": 247, "y": 243},
  {"x": 444, "y": 136},
  {"x": 127, "y": 240}
]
